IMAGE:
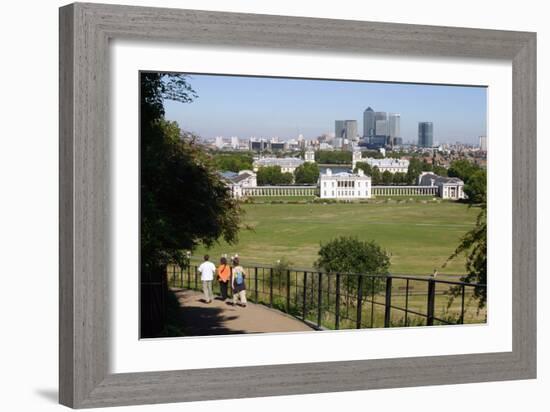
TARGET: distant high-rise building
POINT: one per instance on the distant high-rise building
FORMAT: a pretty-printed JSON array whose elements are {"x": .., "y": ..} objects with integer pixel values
[
  {"x": 379, "y": 116},
  {"x": 394, "y": 128},
  {"x": 234, "y": 142},
  {"x": 339, "y": 128},
  {"x": 425, "y": 134},
  {"x": 381, "y": 127},
  {"x": 219, "y": 142},
  {"x": 483, "y": 143},
  {"x": 368, "y": 123},
  {"x": 345, "y": 129}
]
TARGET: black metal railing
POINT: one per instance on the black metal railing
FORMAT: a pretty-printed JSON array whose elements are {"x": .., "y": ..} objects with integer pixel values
[{"x": 352, "y": 301}]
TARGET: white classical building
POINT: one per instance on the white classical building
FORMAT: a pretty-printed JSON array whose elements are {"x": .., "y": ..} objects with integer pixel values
[
  {"x": 385, "y": 164},
  {"x": 448, "y": 187},
  {"x": 309, "y": 156},
  {"x": 236, "y": 182},
  {"x": 344, "y": 185},
  {"x": 389, "y": 164},
  {"x": 287, "y": 164}
]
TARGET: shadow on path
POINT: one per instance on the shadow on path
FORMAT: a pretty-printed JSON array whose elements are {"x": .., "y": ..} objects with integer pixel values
[{"x": 199, "y": 318}]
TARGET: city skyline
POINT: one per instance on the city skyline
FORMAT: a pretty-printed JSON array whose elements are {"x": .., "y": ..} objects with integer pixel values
[{"x": 283, "y": 107}]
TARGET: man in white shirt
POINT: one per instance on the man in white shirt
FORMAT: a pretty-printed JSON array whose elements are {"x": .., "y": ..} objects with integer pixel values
[{"x": 207, "y": 270}]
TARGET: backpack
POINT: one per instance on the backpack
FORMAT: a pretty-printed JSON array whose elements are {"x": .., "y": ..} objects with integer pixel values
[{"x": 239, "y": 279}]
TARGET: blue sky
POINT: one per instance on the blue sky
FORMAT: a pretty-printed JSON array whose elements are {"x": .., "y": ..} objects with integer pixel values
[{"x": 267, "y": 107}]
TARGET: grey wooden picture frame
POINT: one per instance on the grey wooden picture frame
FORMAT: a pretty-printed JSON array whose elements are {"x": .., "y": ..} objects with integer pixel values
[{"x": 85, "y": 32}]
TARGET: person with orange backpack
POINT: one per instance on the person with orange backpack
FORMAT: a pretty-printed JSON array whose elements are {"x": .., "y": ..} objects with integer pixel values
[{"x": 224, "y": 274}]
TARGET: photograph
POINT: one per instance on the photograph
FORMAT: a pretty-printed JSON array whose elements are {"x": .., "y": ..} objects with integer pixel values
[{"x": 281, "y": 204}]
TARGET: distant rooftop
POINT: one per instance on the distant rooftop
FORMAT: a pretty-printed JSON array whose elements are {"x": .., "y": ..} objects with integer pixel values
[{"x": 283, "y": 162}]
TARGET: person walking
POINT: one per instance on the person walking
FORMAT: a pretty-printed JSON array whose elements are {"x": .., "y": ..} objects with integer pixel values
[
  {"x": 224, "y": 275},
  {"x": 238, "y": 283},
  {"x": 207, "y": 270}
]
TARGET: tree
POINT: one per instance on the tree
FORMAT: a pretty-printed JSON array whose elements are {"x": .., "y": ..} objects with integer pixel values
[
  {"x": 365, "y": 167},
  {"x": 399, "y": 178},
  {"x": 440, "y": 170},
  {"x": 234, "y": 162},
  {"x": 333, "y": 157},
  {"x": 272, "y": 176},
  {"x": 183, "y": 201},
  {"x": 476, "y": 188},
  {"x": 349, "y": 255},
  {"x": 462, "y": 169},
  {"x": 306, "y": 173},
  {"x": 387, "y": 177},
  {"x": 426, "y": 167},
  {"x": 474, "y": 245},
  {"x": 376, "y": 178},
  {"x": 414, "y": 170}
]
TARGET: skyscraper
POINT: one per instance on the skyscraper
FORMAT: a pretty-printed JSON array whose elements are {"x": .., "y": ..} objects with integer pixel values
[
  {"x": 339, "y": 128},
  {"x": 381, "y": 127},
  {"x": 346, "y": 129},
  {"x": 394, "y": 129},
  {"x": 381, "y": 123},
  {"x": 368, "y": 122},
  {"x": 425, "y": 134}
]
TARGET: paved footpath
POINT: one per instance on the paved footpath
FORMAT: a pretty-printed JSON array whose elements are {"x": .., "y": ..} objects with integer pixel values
[{"x": 219, "y": 318}]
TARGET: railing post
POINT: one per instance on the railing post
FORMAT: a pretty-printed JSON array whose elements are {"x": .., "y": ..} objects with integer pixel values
[
  {"x": 319, "y": 300},
  {"x": 359, "y": 301},
  {"x": 462, "y": 306},
  {"x": 387, "y": 314},
  {"x": 431, "y": 302},
  {"x": 373, "y": 292},
  {"x": 288, "y": 291},
  {"x": 304, "y": 302},
  {"x": 407, "y": 304},
  {"x": 256, "y": 282},
  {"x": 196, "y": 279},
  {"x": 271, "y": 287},
  {"x": 337, "y": 303}
]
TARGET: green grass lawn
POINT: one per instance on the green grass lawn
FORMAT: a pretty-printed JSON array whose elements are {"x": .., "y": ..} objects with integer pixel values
[{"x": 418, "y": 236}]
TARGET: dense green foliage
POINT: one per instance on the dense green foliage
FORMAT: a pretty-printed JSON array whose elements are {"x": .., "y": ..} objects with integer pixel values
[
  {"x": 183, "y": 201},
  {"x": 365, "y": 167},
  {"x": 439, "y": 170},
  {"x": 307, "y": 173},
  {"x": 387, "y": 177},
  {"x": 350, "y": 255},
  {"x": 376, "y": 176},
  {"x": 462, "y": 169},
  {"x": 272, "y": 176},
  {"x": 233, "y": 162},
  {"x": 474, "y": 178},
  {"x": 474, "y": 244},
  {"x": 333, "y": 157},
  {"x": 416, "y": 167}
]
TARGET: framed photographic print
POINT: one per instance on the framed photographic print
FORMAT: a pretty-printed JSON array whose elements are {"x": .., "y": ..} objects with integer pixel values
[{"x": 288, "y": 200}]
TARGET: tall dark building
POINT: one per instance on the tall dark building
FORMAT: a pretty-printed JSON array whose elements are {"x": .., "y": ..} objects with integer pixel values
[
  {"x": 425, "y": 134},
  {"x": 369, "y": 124}
]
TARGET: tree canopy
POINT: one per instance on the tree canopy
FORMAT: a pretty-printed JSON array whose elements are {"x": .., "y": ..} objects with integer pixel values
[
  {"x": 351, "y": 255},
  {"x": 273, "y": 176},
  {"x": 474, "y": 245},
  {"x": 306, "y": 173},
  {"x": 333, "y": 157},
  {"x": 233, "y": 162},
  {"x": 183, "y": 200}
]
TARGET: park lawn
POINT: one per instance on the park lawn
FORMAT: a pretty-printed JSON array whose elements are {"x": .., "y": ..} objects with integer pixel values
[{"x": 418, "y": 236}]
